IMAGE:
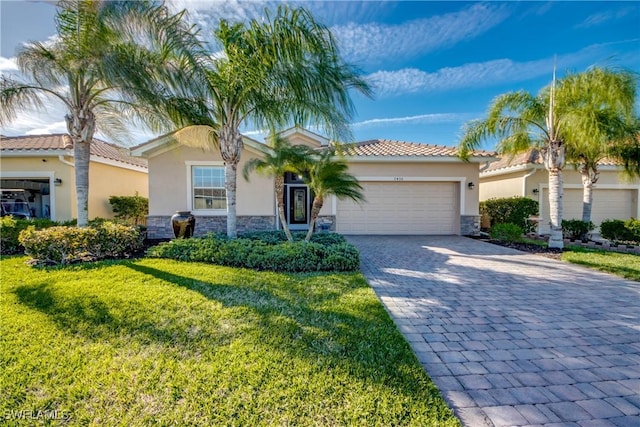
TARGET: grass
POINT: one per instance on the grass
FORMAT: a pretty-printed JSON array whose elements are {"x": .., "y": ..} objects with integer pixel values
[
  {"x": 624, "y": 265},
  {"x": 159, "y": 342}
]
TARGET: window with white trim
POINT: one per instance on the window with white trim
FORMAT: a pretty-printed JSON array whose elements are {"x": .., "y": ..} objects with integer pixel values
[{"x": 208, "y": 191}]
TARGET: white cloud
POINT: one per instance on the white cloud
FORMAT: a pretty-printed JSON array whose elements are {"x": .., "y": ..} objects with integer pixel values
[
  {"x": 48, "y": 128},
  {"x": 8, "y": 64},
  {"x": 48, "y": 120},
  {"x": 605, "y": 16},
  {"x": 372, "y": 43},
  {"x": 360, "y": 43},
  {"x": 482, "y": 74},
  {"x": 418, "y": 119}
]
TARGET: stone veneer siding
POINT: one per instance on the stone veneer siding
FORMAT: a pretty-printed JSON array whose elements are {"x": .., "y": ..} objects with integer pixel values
[
  {"x": 159, "y": 226},
  {"x": 469, "y": 225},
  {"x": 322, "y": 219}
]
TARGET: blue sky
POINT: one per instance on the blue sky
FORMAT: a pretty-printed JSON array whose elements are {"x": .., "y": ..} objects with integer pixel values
[{"x": 434, "y": 65}]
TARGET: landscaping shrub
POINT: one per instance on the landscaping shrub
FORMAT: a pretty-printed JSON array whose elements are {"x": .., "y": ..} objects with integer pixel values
[
  {"x": 272, "y": 237},
  {"x": 618, "y": 230},
  {"x": 132, "y": 209},
  {"x": 576, "y": 229},
  {"x": 633, "y": 225},
  {"x": 510, "y": 210},
  {"x": 267, "y": 254},
  {"x": 10, "y": 229},
  {"x": 326, "y": 238},
  {"x": 506, "y": 232},
  {"x": 65, "y": 245}
]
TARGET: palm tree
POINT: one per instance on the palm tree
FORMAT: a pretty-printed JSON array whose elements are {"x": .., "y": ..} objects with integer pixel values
[
  {"x": 521, "y": 121},
  {"x": 605, "y": 120},
  {"x": 282, "y": 158},
  {"x": 328, "y": 175},
  {"x": 577, "y": 111},
  {"x": 272, "y": 73},
  {"x": 108, "y": 63}
]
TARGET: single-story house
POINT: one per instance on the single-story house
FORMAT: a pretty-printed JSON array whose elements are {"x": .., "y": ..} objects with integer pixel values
[
  {"x": 615, "y": 196},
  {"x": 410, "y": 188},
  {"x": 37, "y": 172}
]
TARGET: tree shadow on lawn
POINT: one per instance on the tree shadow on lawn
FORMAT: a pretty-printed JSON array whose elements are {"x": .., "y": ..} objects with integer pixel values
[{"x": 364, "y": 342}]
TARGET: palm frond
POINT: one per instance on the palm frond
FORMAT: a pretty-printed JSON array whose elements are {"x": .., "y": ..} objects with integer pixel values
[
  {"x": 328, "y": 174},
  {"x": 17, "y": 97},
  {"x": 198, "y": 136}
]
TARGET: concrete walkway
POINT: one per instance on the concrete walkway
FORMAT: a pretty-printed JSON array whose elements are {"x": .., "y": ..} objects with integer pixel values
[{"x": 512, "y": 339}]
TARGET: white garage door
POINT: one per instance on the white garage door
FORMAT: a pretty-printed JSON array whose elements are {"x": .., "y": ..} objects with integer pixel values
[
  {"x": 607, "y": 204},
  {"x": 402, "y": 208}
]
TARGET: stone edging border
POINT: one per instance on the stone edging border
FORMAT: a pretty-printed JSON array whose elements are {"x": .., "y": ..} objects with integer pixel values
[{"x": 604, "y": 246}]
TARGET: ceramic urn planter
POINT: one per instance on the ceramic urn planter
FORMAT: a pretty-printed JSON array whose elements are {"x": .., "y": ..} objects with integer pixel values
[{"x": 183, "y": 223}]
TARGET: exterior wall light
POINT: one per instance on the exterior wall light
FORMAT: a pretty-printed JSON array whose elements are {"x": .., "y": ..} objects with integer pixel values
[
  {"x": 536, "y": 191},
  {"x": 57, "y": 181},
  {"x": 471, "y": 185}
]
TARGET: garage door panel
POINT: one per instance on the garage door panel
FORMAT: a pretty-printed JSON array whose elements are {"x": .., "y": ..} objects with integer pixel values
[
  {"x": 607, "y": 204},
  {"x": 401, "y": 208}
]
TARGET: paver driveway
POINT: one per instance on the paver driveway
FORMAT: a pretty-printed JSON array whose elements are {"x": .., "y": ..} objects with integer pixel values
[{"x": 512, "y": 339}]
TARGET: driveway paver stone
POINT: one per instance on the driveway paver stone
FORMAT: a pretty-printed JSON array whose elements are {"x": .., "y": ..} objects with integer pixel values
[{"x": 509, "y": 338}]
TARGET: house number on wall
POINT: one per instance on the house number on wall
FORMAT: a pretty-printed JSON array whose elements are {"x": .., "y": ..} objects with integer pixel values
[{"x": 398, "y": 178}]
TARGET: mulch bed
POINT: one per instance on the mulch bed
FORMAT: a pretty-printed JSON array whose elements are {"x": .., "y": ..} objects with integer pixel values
[{"x": 553, "y": 253}]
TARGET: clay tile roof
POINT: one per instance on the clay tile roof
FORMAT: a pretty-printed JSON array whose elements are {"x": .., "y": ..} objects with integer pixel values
[
  {"x": 532, "y": 157},
  {"x": 60, "y": 142},
  {"x": 389, "y": 148}
]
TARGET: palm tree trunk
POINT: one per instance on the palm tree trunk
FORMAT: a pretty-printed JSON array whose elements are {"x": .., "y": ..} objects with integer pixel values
[
  {"x": 554, "y": 158},
  {"x": 230, "y": 174},
  {"x": 279, "y": 189},
  {"x": 230, "y": 141},
  {"x": 589, "y": 177},
  {"x": 555, "y": 208},
  {"x": 318, "y": 201},
  {"x": 81, "y": 127}
]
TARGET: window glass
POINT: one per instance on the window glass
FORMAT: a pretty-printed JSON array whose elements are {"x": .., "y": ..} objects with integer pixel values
[{"x": 208, "y": 187}]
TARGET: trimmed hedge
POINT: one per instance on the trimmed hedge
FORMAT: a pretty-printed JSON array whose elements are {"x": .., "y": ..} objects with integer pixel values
[
  {"x": 273, "y": 237},
  {"x": 618, "y": 230},
  {"x": 510, "y": 210},
  {"x": 264, "y": 251},
  {"x": 576, "y": 229},
  {"x": 10, "y": 229},
  {"x": 506, "y": 232},
  {"x": 66, "y": 245},
  {"x": 131, "y": 209}
]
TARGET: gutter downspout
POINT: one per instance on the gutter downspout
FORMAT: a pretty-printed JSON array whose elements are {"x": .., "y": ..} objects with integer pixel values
[
  {"x": 483, "y": 168},
  {"x": 65, "y": 162},
  {"x": 524, "y": 182}
]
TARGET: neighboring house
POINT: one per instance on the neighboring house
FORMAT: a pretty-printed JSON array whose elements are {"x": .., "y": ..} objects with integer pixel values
[
  {"x": 41, "y": 168},
  {"x": 409, "y": 188},
  {"x": 615, "y": 196}
]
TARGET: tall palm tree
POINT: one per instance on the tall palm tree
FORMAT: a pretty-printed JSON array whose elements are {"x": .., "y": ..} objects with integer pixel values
[
  {"x": 271, "y": 73},
  {"x": 521, "y": 121},
  {"x": 558, "y": 121},
  {"x": 110, "y": 61},
  {"x": 605, "y": 120},
  {"x": 282, "y": 158},
  {"x": 328, "y": 175}
]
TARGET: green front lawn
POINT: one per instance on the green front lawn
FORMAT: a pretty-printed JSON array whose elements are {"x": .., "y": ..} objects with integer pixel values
[
  {"x": 156, "y": 341},
  {"x": 624, "y": 265}
]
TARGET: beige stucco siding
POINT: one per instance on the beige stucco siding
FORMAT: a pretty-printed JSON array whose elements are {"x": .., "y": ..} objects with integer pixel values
[
  {"x": 615, "y": 196},
  {"x": 109, "y": 180},
  {"x": 495, "y": 187},
  {"x": 168, "y": 183},
  {"x": 299, "y": 139}
]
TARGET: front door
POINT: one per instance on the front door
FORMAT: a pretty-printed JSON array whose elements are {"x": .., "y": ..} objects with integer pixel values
[{"x": 298, "y": 207}]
